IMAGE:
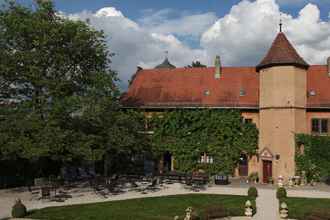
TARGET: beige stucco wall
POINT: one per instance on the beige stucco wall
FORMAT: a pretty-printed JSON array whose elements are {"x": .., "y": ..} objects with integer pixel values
[
  {"x": 283, "y": 86},
  {"x": 282, "y": 114}
]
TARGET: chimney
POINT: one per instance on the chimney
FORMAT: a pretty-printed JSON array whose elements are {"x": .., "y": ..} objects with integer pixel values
[
  {"x": 217, "y": 64},
  {"x": 328, "y": 64}
]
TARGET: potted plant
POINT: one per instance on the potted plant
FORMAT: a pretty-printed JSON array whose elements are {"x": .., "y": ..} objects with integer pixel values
[
  {"x": 271, "y": 180},
  {"x": 254, "y": 177}
]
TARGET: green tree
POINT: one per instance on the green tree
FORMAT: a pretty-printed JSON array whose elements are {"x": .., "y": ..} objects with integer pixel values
[
  {"x": 116, "y": 135},
  {"x": 64, "y": 100},
  {"x": 312, "y": 156},
  {"x": 187, "y": 134},
  {"x": 196, "y": 64}
]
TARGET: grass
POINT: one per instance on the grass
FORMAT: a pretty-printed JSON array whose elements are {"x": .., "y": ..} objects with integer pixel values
[
  {"x": 301, "y": 208},
  {"x": 157, "y": 208}
]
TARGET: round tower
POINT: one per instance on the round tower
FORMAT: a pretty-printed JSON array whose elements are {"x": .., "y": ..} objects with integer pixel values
[{"x": 282, "y": 102}]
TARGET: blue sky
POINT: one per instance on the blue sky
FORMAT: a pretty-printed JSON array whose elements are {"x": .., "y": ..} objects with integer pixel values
[
  {"x": 240, "y": 31},
  {"x": 134, "y": 8}
]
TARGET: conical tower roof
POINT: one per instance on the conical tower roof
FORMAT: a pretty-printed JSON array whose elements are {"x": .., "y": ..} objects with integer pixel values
[
  {"x": 165, "y": 65},
  {"x": 282, "y": 53}
]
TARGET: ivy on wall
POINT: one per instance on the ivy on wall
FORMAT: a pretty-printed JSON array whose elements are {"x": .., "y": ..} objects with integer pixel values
[
  {"x": 188, "y": 134},
  {"x": 313, "y": 156}
]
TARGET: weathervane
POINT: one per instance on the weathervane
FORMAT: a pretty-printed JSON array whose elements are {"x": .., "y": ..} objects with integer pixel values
[
  {"x": 281, "y": 24},
  {"x": 166, "y": 54}
]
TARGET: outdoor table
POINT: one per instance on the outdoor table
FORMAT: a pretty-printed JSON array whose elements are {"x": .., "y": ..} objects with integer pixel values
[{"x": 221, "y": 180}]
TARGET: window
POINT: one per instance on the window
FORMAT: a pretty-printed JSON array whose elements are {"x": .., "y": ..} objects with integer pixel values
[
  {"x": 242, "y": 92},
  {"x": 324, "y": 126},
  {"x": 315, "y": 125},
  {"x": 206, "y": 92},
  {"x": 319, "y": 126},
  {"x": 204, "y": 158},
  {"x": 248, "y": 121},
  {"x": 312, "y": 93}
]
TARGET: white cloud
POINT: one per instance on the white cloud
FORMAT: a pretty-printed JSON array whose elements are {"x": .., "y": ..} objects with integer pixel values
[
  {"x": 135, "y": 45},
  {"x": 109, "y": 12},
  {"x": 184, "y": 25},
  {"x": 242, "y": 37}
]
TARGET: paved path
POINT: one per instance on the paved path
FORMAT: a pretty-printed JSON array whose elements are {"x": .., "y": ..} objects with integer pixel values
[{"x": 267, "y": 205}]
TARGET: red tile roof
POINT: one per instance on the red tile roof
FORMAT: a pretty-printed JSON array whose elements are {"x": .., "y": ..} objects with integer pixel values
[
  {"x": 282, "y": 53},
  {"x": 197, "y": 87},
  {"x": 319, "y": 82},
  {"x": 191, "y": 87}
]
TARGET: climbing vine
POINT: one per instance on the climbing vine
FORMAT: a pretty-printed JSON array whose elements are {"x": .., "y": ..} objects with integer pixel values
[
  {"x": 313, "y": 156},
  {"x": 188, "y": 134}
]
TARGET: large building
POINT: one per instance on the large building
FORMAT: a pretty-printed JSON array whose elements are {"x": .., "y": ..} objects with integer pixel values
[{"x": 283, "y": 95}]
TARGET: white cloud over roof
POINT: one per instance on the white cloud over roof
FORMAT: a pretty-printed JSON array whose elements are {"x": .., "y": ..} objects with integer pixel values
[{"x": 241, "y": 37}]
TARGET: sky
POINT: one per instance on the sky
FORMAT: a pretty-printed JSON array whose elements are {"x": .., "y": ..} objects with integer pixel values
[{"x": 240, "y": 31}]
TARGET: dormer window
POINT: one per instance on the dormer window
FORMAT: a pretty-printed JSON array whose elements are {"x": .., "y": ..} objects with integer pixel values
[
  {"x": 206, "y": 92},
  {"x": 242, "y": 92},
  {"x": 312, "y": 93}
]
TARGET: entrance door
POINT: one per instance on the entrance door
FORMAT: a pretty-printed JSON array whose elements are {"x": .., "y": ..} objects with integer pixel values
[
  {"x": 167, "y": 162},
  {"x": 267, "y": 170},
  {"x": 243, "y": 168}
]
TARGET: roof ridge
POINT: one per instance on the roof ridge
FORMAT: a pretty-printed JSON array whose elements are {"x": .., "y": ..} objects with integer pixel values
[{"x": 195, "y": 68}]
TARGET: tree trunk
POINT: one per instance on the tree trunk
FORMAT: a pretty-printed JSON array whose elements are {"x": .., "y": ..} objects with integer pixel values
[{"x": 106, "y": 164}]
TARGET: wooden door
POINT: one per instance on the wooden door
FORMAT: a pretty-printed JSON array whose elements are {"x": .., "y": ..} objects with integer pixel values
[
  {"x": 267, "y": 170},
  {"x": 243, "y": 167}
]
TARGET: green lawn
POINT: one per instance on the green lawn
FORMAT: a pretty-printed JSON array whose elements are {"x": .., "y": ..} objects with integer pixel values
[
  {"x": 158, "y": 208},
  {"x": 301, "y": 208}
]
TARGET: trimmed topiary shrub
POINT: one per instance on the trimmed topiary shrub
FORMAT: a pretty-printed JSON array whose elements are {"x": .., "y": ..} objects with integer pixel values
[
  {"x": 195, "y": 216},
  {"x": 254, "y": 177},
  {"x": 253, "y": 192},
  {"x": 281, "y": 193},
  {"x": 18, "y": 210},
  {"x": 215, "y": 212}
]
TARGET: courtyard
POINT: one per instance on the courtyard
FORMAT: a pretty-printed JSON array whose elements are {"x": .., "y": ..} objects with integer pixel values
[
  {"x": 165, "y": 201},
  {"x": 164, "y": 110}
]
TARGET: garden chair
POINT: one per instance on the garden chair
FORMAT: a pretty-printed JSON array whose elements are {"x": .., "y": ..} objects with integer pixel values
[
  {"x": 153, "y": 186},
  {"x": 83, "y": 175},
  {"x": 98, "y": 185},
  {"x": 66, "y": 175},
  {"x": 91, "y": 172},
  {"x": 45, "y": 192}
]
